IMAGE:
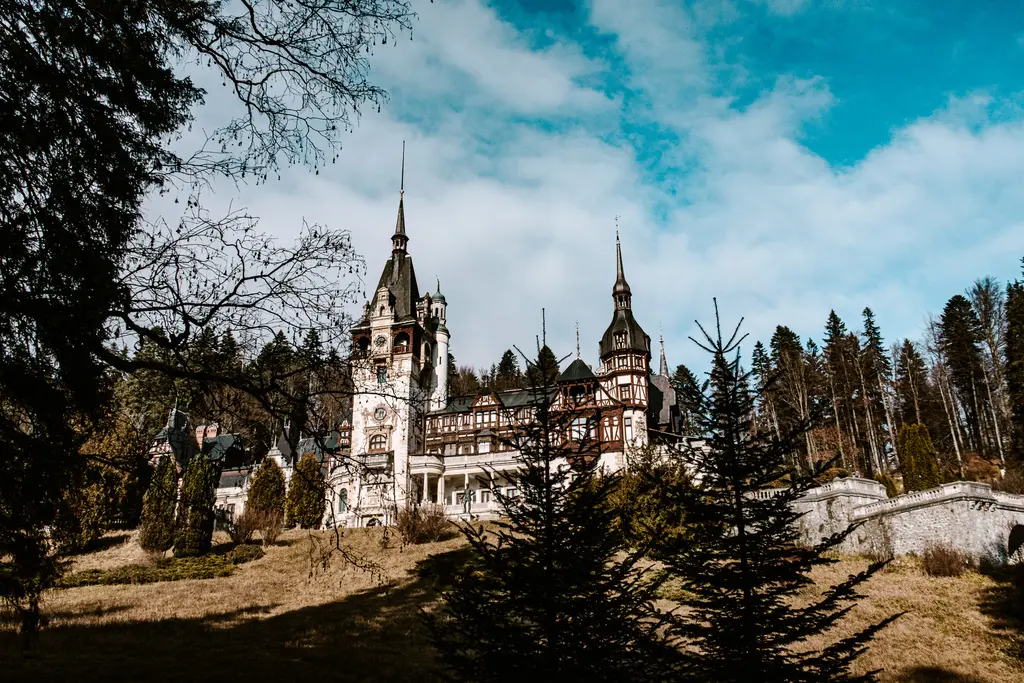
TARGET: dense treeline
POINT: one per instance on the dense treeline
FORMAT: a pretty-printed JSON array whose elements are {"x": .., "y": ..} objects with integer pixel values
[{"x": 963, "y": 383}]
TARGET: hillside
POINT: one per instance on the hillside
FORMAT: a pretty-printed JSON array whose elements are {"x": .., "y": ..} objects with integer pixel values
[{"x": 274, "y": 619}]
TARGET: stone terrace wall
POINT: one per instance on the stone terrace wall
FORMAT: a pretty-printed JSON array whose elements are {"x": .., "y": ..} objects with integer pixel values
[{"x": 966, "y": 515}]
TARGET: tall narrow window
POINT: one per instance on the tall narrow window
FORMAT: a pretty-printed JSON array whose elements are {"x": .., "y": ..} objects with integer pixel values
[
  {"x": 382, "y": 374},
  {"x": 342, "y": 500},
  {"x": 627, "y": 423}
]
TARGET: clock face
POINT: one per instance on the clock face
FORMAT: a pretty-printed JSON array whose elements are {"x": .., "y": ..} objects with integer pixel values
[
  {"x": 381, "y": 340},
  {"x": 380, "y": 413}
]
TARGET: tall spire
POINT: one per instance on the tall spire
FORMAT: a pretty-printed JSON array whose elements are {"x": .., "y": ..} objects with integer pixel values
[
  {"x": 663, "y": 366},
  {"x": 399, "y": 239},
  {"x": 577, "y": 339},
  {"x": 620, "y": 292}
]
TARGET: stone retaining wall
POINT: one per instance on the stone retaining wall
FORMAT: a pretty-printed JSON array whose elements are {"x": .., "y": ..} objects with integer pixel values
[{"x": 966, "y": 515}]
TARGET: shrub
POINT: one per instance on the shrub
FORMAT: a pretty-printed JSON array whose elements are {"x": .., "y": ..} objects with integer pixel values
[
  {"x": 830, "y": 474},
  {"x": 157, "y": 533},
  {"x": 422, "y": 524},
  {"x": 1012, "y": 482},
  {"x": 944, "y": 560},
  {"x": 270, "y": 525},
  {"x": 242, "y": 528},
  {"x": 645, "y": 499},
  {"x": 194, "y": 534},
  {"x": 890, "y": 486},
  {"x": 267, "y": 490},
  {"x": 247, "y": 552},
  {"x": 307, "y": 494}
]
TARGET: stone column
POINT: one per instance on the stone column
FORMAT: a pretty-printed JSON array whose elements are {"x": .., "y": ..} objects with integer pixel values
[
  {"x": 426, "y": 482},
  {"x": 440, "y": 489}
]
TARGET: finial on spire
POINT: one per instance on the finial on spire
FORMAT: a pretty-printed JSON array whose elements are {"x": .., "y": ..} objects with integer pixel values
[
  {"x": 398, "y": 240},
  {"x": 577, "y": 339},
  {"x": 663, "y": 365},
  {"x": 544, "y": 326},
  {"x": 620, "y": 292},
  {"x": 438, "y": 285}
]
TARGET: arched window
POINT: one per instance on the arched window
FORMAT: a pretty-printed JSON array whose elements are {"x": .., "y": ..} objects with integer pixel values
[
  {"x": 363, "y": 345},
  {"x": 378, "y": 442},
  {"x": 342, "y": 501},
  {"x": 402, "y": 342}
]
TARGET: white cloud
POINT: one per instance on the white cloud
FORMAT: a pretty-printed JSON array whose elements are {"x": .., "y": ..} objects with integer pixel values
[{"x": 513, "y": 218}]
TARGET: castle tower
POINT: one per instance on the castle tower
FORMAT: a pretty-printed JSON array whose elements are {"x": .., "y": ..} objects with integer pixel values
[
  {"x": 439, "y": 398},
  {"x": 393, "y": 361},
  {"x": 625, "y": 356}
]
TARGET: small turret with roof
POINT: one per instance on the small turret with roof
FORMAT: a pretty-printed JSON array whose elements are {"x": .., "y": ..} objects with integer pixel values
[{"x": 624, "y": 333}]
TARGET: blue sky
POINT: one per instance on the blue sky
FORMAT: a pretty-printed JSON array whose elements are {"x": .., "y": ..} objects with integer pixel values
[{"x": 786, "y": 156}]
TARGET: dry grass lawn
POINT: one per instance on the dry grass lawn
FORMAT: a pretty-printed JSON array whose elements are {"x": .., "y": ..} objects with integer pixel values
[{"x": 275, "y": 619}]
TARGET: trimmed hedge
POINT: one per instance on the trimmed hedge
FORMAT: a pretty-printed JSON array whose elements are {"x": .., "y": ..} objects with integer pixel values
[
  {"x": 194, "y": 533},
  {"x": 170, "y": 569},
  {"x": 157, "y": 532}
]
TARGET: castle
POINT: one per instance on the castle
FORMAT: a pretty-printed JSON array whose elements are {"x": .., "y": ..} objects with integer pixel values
[{"x": 410, "y": 442}]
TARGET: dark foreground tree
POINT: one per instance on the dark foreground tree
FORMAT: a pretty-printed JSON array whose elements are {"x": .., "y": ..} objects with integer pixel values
[
  {"x": 307, "y": 494},
  {"x": 552, "y": 593},
  {"x": 91, "y": 95},
  {"x": 741, "y": 567},
  {"x": 157, "y": 530},
  {"x": 1014, "y": 352},
  {"x": 194, "y": 533}
]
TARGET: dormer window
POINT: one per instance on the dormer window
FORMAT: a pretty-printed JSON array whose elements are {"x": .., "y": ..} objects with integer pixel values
[{"x": 620, "y": 340}]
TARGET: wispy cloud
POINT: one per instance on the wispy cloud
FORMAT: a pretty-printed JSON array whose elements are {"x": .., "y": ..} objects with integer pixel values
[{"x": 516, "y": 169}]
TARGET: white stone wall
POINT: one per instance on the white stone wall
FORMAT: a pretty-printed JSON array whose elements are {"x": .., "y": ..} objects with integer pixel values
[{"x": 965, "y": 515}]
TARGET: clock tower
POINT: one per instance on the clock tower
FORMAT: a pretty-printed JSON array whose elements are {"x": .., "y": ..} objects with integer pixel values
[{"x": 395, "y": 372}]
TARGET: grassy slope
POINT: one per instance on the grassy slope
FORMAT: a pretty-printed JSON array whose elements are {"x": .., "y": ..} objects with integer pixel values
[{"x": 275, "y": 620}]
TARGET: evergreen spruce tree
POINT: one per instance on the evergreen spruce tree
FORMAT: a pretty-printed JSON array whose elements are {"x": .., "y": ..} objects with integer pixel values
[
  {"x": 552, "y": 593},
  {"x": 267, "y": 490},
  {"x": 1014, "y": 351},
  {"x": 194, "y": 527},
  {"x": 959, "y": 340},
  {"x": 686, "y": 387},
  {"x": 157, "y": 525},
  {"x": 918, "y": 459},
  {"x": 307, "y": 494},
  {"x": 742, "y": 566}
]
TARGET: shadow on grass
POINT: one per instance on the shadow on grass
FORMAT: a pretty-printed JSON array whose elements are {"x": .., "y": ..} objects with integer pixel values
[
  {"x": 374, "y": 635},
  {"x": 934, "y": 674},
  {"x": 1004, "y": 604},
  {"x": 103, "y": 543}
]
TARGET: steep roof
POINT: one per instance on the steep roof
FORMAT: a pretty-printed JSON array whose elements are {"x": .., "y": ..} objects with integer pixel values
[
  {"x": 578, "y": 371},
  {"x": 636, "y": 339},
  {"x": 400, "y": 279},
  {"x": 513, "y": 398}
]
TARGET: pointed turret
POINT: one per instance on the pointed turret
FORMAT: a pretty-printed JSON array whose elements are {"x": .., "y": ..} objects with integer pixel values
[
  {"x": 620, "y": 292},
  {"x": 399, "y": 240},
  {"x": 663, "y": 365},
  {"x": 624, "y": 333}
]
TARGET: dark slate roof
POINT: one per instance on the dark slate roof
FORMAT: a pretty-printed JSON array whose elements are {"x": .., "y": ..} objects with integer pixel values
[
  {"x": 400, "y": 279},
  {"x": 578, "y": 371},
  {"x": 222, "y": 447},
  {"x": 636, "y": 338},
  {"x": 181, "y": 441},
  {"x": 664, "y": 386},
  {"x": 232, "y": 478},
  {"x": 513, "y": 398}
]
